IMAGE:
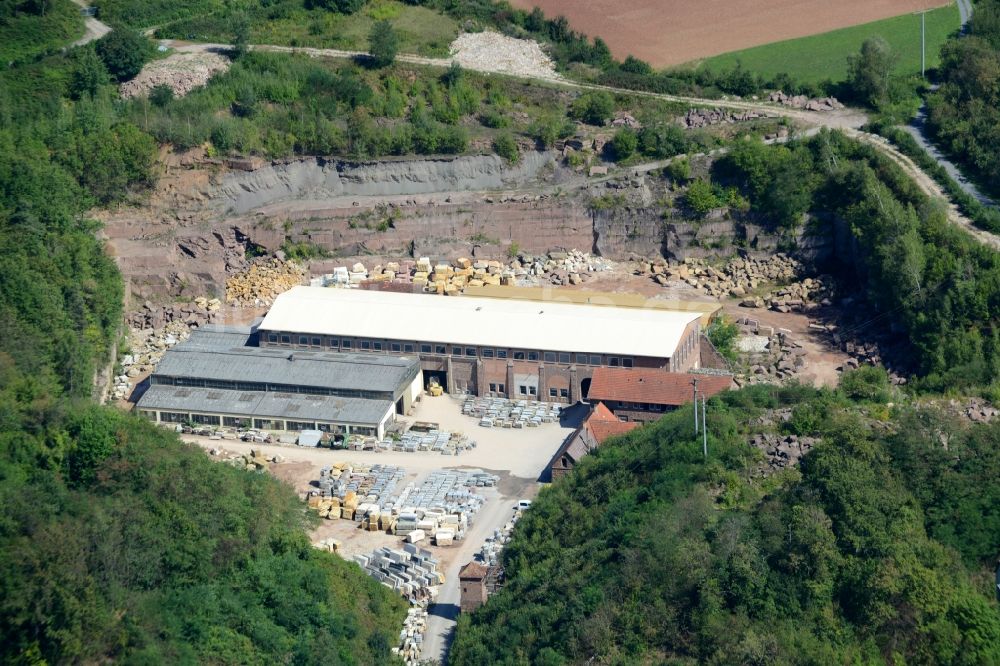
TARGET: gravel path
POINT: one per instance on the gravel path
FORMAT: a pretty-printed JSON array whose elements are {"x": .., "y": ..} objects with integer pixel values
[{"x": 94, "y": 28}]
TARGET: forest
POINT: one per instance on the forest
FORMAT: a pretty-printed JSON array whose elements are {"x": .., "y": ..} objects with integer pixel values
[
  {"x": 118, "y": 542},
  {"x": 878, "y": 548},
  {"x": 964, "y": 113}
]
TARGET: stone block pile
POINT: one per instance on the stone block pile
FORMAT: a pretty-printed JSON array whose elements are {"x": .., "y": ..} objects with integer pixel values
[
  {"x": 411, "y": 571},
  {"x": 504, "y": 413},
  {"x": 181, "y": 72},
  {"x": 740, "y": 277},
  {"x": 262, "y": 282},
  {"x": 558, "y": 267},
  {"x": 804, "y": 102},
  {"x": 770, "y": 359},
  {"x": 411, "y": 636},
  {"x": 696, "y": 118}
]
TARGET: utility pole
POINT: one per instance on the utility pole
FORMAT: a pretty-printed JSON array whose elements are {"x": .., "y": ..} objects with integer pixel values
[
  {"x": 694, "y": 383},
  {"x": 704, "y": 427}
]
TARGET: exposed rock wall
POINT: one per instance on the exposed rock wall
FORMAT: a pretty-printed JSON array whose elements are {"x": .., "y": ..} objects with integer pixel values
[{"x": 318, "y": 178}]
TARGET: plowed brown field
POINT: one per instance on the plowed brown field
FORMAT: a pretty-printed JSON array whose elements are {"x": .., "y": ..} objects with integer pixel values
[{"x": 670, "y": 32}]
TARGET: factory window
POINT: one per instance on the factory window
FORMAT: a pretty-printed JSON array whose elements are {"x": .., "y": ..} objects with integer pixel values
[
  {"x": 440, "y": 349},
  {"x": 595, "y": 360},
  {"x": 501, "y": 353},
  {"x": 493, "y": 388},
  {"x": 657, "y": 408},
  {"x": 299, "y": 425},
  {"x": 532, "y": 390},
  {"x": 316, "y": 342},
  {"x": 614, "y": 361},
  {"x": 174, "y": 417},
  {"x": 395, "y": 347},
  {"x": 487, "y": 353},
  {"x": 268, "y": 424},
  {"x": 470, "y": 351},
  {"x": 626, "y": 362},
  {"x": 286, "y": 339},
  {"x": 271, "y": 337},
  {"x": 623, "y": 417},
  {"x": 553, "y": 393},
  {"x": 532, "y": 356},
  {"x": 205, "y": 419},
  {"x": 334, "y": 343},
  {"x": 581, "y": 359},
  {"x": 377, "y": 346},
  {"x": 366, "y": 345},
  {"x": 563, "y": 393},
  {"x": 563, "y": 357},
  {"x": 346, "y": 344},
  {"x": 235, "y": 422},
  {"x": 550, "y": 357},
  {"x": 303, "y": 340},
  {"x": 425, "y": 349},
  {"x": 522, "y": 389},
  {"x": 149, "y": 415},
  {"x": 519, "y": 356},
  {"x": 407, "y": 349},
  {"x": 501, "y": 388},
  {"x": 362, "y": 430}
]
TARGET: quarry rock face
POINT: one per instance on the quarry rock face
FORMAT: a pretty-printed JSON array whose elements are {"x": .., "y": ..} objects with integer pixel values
[{"x": 318, "y": 178}]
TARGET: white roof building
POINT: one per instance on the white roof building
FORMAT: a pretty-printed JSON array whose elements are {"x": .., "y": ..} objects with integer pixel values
[{"x": 481, "y": 322}]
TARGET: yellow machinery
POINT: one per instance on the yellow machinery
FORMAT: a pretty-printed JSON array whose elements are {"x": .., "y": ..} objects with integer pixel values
[{"x": 434, "y": 387}]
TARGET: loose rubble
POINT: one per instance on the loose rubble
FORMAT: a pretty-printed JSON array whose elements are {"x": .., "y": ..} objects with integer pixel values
[
  {"x": 557, "y": 267},
  {"x": 262, "y": 282},
  {"x": 182, "y": 72},
  {"x": 781, "y": 452},
  {"x": 146, "y": 348},
  {"x": 201, "y": 310},
  {"x": 803, "y": 102},
  {"x": 490, "y": 51},
  {"x": 254, "y": 461}
]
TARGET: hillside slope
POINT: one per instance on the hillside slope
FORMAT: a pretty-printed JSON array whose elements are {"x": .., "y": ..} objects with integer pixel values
[{"x": 649, "y": 554}]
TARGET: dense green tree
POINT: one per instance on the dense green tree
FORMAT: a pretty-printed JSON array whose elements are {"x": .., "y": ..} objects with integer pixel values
[
  {"x": 383, "y": 44},
  {"x": 89, "y": 74},
  {"x": 124, "y": 52},
  {"x": 240, "y": 26},
  {"x": 869, "y": 72},
  {"x": 506, "y": 147}
]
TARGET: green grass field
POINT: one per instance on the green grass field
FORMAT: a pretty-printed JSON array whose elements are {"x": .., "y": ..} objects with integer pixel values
[
  {"x": 421, "y": 30},
  {"x": 25, "y": 35},
  {"x": 814, "y": 59}
]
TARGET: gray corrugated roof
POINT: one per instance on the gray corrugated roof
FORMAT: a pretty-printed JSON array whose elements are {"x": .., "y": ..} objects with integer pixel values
[
  {"x": 366, "y": 372},
  {"x": 259, "y": 404},
  {"x": 214, "y": 336}
]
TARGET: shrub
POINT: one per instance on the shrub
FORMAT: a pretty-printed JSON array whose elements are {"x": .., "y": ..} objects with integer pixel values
[
  {"x": 623, "y": 144},
  {"x": 161, "y": 94},
  {"x": 593, "y": 107},
  {"x": 701, "y": 198},
  {"x": 506, "y": 147},
  {"x": 869, "y": 383}
]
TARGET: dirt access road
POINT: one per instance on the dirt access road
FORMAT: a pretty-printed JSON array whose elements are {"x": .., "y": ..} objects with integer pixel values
[
  {"x": 94, "y": 29},
  {"x": 671, "y": 32}
]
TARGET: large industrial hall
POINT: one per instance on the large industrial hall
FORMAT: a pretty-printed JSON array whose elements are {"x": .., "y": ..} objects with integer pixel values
[{"x": 503, "y": 347}]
